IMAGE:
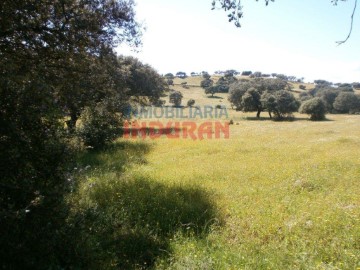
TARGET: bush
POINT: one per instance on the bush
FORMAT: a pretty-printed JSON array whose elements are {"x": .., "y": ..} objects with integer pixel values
[
  {"x": 191, "y": 102},
  {"x": 305, "y": 96},
  {"x": 206, "y": 83},
  {"x": 175, "y": 98},
  {"x": 99, "y": 126},
  {"x": 281, "y": 103},
  {"x": 170, "y": 81},
  {"x": 169, "y": 76},
  {"x": 346, "y": 102},
  {"x": 159, "y": 103},
  {"x": 302, "y": 87},
  {"x": 246, "y": 73},
  {"x": 315, "y": 107}
]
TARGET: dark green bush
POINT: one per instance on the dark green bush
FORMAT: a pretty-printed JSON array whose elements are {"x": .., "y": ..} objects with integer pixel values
[
  {"x": 99, "y": 126},
  {"x": 191, "y": 102},
  {"x": 315, "y": 107}
]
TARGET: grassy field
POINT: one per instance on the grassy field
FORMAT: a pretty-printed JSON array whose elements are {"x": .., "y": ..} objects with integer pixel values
[{"x": 275, "y": 195}]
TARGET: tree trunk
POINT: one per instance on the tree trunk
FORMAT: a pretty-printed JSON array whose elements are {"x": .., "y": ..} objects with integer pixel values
[
  {"x": 258, "y": 113},
  {"x": 270, "y": 115}
]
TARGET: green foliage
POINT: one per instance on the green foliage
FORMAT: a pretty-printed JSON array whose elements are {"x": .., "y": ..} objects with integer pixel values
[
  {"x": 125, "y": 221},
  {"x": 191, "y": 102},
  {"x": 281, "y": 103},
  {"x": 322, "y": 83},
  {"x": 212, "y": 90},
  {"x": 206, "y": 75},
  {"x": 246, "y": 73},
  {"x": 99, "y": 126},
  {"x": 169, "y": 76},
  {"x": 56, "y": 59},
  {"x": 315, "y": 107},
  {"x": 250, "y": 101},
  {"x": 305, "y": 96},
  {"x": 170, "y": 81},
  {"x": 347, "y": 102},
  {"x": 143, "y": 80},
  {"x": 253, "y": 95},
  {"x": 159, "y": 103},
  {"x": 181, "y": 74},
  {"x": 175, "y": 98},
  {"x": 206, "y": 83},
  {"x": 224, "y": 82},
  {"x": 256, "y": 74},
  {"x": 328, "y": 94}
]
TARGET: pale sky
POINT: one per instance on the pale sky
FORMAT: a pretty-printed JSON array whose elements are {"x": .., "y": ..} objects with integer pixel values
[{"x": 293, "y": 37}]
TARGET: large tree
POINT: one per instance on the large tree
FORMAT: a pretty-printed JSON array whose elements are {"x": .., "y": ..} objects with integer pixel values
[
  {"x": 142, "y": 80},
  {"x": 54, "y": 59},
  {"x": 250, "y": 95},
  {"x": 347, "y": 102}
]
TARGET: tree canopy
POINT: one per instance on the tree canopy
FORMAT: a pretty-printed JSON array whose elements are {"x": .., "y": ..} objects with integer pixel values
[
  {"x": 263, "y": 94},
  {"x": 56, "y": 58}
]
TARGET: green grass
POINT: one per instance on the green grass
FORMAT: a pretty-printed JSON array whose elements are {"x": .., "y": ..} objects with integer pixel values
[{"x": 276, "y": 195}]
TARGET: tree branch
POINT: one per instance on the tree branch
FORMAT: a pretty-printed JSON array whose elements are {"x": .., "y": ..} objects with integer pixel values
[{"x": 351, "y": 26}]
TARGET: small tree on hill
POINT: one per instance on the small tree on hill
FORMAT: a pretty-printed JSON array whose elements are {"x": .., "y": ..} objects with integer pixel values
[
  {"x": 191, "y": 102},
  {"x": 206, "y": 75},
  {"x": 175, "y": 98},
  {"x": 206, "y": 83},
  {"x": 170, "y": 81},
  {"x": 211, "y": 90},
  {"x": 169, "y": 76},
  {"x": 315, "y": 107},
  {"x": 246, "y": 73},
  {"x": 181, "y": 75}
]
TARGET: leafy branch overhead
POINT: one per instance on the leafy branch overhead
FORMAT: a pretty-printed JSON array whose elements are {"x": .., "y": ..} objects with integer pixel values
[
  {"x": 234, "y": 8},
  {"x": 235, "y": 12}
]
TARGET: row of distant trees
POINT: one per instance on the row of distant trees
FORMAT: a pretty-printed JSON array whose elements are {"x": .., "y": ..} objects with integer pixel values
[
  {"x": 233, "y": 72},
  {"x": 339, "y": 98},
  {"x": 273, "y": 96}
]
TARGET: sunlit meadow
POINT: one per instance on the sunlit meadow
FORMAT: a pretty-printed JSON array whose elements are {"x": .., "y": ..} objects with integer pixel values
[{"x": 275, "y": 195}]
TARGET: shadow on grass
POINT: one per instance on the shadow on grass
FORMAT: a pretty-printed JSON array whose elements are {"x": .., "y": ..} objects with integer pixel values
[
  {"x": 115, "y": 157},
  {"x": 151, "y": 132},
  {"x": 216, "y": 97},
  {"x": 123, "y": 223},
  {"x": 291, "y": 119}
]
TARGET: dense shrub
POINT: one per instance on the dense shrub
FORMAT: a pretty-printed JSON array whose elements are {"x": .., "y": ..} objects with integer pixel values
[
  {"x": 159, "y": 103},
  {"x": 207, "y": 82},
  {"x": 246, "y": 73},
  {"x": 347, "y": 102},
  {"x": 253, "y": 95},
  {"x": 305, "y": 96},
  {"x": 191, "y": 102},
  {"x": 170, "y": 81},
  {"x": 315, "y": 107},
  {"x": 169, "y": 76},
  {"x": 99, "y": 126},
  {"x": 175, "y": 98},
  {"x": 281, "y": 103}
]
